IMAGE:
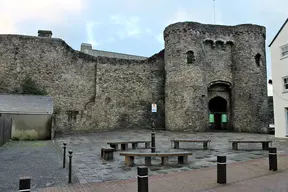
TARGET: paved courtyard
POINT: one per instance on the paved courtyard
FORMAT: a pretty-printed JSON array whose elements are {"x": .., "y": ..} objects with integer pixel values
[
  {"x": 88, "y": 167},
  {"x": 38, "y": 160}
]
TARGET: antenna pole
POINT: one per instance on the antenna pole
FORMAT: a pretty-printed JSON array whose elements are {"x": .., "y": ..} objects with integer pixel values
[{"x": 214, "y": 12}]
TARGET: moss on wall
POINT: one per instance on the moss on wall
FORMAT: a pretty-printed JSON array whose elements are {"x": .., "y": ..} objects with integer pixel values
[{"x": 30, "y": 87}]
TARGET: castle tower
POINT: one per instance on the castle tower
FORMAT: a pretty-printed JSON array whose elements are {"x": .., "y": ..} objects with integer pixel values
[
  {"x": 250, "y": 99},
  {"x": 203, "y": 86}
]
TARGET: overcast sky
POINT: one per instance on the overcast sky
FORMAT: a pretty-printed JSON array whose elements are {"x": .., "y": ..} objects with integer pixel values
[{"x": 133, "y": 26}]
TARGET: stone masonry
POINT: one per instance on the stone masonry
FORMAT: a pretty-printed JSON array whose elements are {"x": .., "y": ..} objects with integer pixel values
[
  {"x": 200, "y": 63},
  {"x": 227, "y": 62},
  {"x": 87, "y": 48}
]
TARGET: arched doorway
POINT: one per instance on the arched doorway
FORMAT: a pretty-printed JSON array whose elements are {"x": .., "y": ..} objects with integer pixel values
[{"x": 218, "y": 113}]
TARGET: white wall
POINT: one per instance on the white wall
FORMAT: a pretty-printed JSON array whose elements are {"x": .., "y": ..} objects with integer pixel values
[
  {"x": 279, "y": 70},
  {"x": 36, "y": 127}
]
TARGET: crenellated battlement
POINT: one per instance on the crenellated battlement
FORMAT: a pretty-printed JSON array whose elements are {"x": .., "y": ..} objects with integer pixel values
[
  {"x": 198, "y": 30},
  {"x": 222, "y": 42}
]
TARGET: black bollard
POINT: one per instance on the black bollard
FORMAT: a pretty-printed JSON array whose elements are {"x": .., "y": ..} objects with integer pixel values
[
  {"x": 153, "y": 148},
  {"x": 273, "y": 159},
  {"x": 64, "y": 154},
  {"x": 142, "y": 177},
  {"x": 25, "y": 184},
  {"x": 70, "y": 166},
  {"x": 221, "y": 169}
]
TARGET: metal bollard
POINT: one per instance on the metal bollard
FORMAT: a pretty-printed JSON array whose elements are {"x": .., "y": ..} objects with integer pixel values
[
  {"x": 142, "y": 177},
  {"x": 153, "y": 148},
  {"x": 70, "y": 167},
  {"x": 273, "y": 159},
  {"x": 25, "y": 184},
  {"x": 221, "y": 169},
  {"x": 64, "y": 154}
]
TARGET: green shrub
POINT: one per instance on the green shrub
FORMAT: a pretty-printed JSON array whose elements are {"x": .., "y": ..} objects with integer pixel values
[{"x": 30, "y": 87}]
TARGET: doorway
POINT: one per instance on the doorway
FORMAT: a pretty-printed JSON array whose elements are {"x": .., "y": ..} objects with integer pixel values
[{"x": 218, "y": 113}]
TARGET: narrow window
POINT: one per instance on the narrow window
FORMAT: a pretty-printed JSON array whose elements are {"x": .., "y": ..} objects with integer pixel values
[
  {"x": 190, "y": 57},
  {"x": 72, "y": 115},
  {"x": 258, "y": 59},
  {"x": 285, "y": 79},
  {"x": 284, "y": 50}
]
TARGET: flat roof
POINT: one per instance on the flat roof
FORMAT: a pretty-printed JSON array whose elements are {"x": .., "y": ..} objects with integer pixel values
[{"x": 26, "y": 104}]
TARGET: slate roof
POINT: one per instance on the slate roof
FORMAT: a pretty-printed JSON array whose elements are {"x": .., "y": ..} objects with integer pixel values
[
  {"x": 26, "y": 104},
  {"x": 278, "y": 32}
]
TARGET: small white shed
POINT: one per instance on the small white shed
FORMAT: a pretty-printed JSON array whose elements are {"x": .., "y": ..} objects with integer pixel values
[{"x": 31, "y": 115}]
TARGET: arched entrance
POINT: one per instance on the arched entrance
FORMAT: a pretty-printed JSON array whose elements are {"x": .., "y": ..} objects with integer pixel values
[
  {"x": 218, "y": 110},
  {"x": 219, "y": 105}
]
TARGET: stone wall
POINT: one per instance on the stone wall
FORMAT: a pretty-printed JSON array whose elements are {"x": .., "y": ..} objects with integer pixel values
[
  {"x": 87, "y": 48},
  {"x": 271, "y": 110},
  {"x": 249, "y": 93},
  {"x": 65, "y": 74},
  {"x": 123, "y": 95},
  {"x": 89, "y": 93},
  {"x": 103, "y": 93}
]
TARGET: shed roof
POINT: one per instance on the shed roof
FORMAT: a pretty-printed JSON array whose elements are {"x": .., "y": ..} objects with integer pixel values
[
  {"x": 278, "y": 32},
  {"x": 26, "y": 104}
]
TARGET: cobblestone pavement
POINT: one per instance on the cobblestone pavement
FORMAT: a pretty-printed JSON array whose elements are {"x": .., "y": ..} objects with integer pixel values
[
  {"x": 88, "y": 166},
  {"x": 37, "y": 159},
  {"x": 252, "y": 175}
]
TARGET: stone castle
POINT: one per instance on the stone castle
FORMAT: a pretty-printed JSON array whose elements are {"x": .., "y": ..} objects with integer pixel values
[{"x": 207, "y": 77}]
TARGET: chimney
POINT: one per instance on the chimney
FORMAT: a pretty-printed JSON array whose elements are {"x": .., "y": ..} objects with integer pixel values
[
  {"x": 44, "y": 33},
  {"x": 85, "y": 47}
]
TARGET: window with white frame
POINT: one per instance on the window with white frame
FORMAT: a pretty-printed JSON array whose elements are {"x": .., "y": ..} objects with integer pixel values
[
  {"x": 285, "y": 79},
  {"x": 284, "y": 50}
]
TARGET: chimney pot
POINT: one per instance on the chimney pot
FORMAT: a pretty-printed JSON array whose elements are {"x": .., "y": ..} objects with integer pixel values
[{"x": 44, "y": 33}]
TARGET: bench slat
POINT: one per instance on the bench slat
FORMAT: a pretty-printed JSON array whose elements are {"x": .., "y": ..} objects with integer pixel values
[
  {"x": 191, "y": 140},
  {"x": 126, "y": 142},
  {"x": 246, "y": 141},
  {"x": 156, "y": 154},
  {"x": 138, "y": 154},
  {"x": 107, "y": 148}
]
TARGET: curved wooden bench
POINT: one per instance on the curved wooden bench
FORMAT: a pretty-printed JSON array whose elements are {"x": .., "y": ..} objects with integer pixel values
[
  {"x": 124, "y": 144},
  {"x": 129, "y": 157},
  {"x": 265, "y": 143},
  {"x": 204, "y": 141}
]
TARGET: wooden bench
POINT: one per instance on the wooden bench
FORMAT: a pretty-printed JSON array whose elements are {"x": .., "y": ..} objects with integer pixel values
[
  {"x": 124, "y": 144},
  {"x": 265, "y": 143},
  {"x": 204, "y": 141},
  {"x": 107, "y": 153},
  {"x": 129, "y": 157}
]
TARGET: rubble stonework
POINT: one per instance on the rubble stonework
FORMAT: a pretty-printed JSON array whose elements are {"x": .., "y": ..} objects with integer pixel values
[
  {"x": 100, "y": 93},
  {"x": 224, "y": 58}
]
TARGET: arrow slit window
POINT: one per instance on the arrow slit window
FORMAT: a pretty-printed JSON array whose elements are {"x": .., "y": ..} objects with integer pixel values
[{"x": 190, "y": 57}]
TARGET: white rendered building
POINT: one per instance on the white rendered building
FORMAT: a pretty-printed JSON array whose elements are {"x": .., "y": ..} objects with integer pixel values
[{"x": 279, "y": 67}]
